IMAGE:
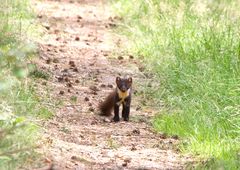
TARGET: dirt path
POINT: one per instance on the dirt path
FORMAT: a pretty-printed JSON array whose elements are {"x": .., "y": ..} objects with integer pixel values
[{"x": 76, "y": 49}]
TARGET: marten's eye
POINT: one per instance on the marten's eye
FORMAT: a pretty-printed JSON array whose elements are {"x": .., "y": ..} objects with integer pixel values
[{"x": 118, "y": 79}]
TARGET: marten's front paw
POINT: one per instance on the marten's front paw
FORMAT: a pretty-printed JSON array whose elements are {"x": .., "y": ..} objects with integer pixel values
[
  {"x": 116, "y": 119},
  {"x": 126, "y": 119}
]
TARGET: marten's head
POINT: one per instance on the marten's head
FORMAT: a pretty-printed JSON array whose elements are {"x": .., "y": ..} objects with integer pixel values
[{"x": 123, "y": 84}]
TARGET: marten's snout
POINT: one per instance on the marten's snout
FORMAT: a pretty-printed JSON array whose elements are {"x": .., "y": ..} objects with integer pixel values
[{"x": 124, "y": 89}]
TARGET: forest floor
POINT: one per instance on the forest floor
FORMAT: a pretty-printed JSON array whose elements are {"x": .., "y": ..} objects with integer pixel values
[{"x": 78, "y": 49}]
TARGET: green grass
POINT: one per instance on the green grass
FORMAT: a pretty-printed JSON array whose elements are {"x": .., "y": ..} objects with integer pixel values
[
  {"x": 39, "y": 74},
  {"x": 19, "y": 104},
  {"x": 193, "y": 47}
]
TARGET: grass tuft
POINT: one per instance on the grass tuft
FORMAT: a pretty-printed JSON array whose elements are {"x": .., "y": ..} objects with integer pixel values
[
  {"x": 193, "y": 48},
  {"x": 39, "y": 74}
]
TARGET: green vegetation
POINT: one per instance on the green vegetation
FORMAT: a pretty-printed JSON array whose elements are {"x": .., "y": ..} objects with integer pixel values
[
  {"x": 193, "y": 47},
  {"x": 18, "y": 102},
  {"x": 39, "y": 74},
  {"x": 73, "y": 99}
]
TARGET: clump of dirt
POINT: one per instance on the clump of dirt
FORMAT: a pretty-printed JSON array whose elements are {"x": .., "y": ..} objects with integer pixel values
[{"x": 75, "y": 50}]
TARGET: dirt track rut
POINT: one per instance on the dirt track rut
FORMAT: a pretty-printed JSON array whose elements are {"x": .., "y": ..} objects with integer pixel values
[{"x": 77, "y": 48}]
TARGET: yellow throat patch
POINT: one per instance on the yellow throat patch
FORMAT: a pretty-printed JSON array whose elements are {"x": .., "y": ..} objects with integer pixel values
[{"x": 122, "y": 95}]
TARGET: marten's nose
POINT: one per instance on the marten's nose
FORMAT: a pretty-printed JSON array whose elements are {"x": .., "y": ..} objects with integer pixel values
[{"x": 124, "y": 89}]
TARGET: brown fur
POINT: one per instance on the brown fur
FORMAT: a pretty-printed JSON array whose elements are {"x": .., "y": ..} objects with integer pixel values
[
  {"x": 106, "y": 107},
  {"x": 117, "y": 96}
]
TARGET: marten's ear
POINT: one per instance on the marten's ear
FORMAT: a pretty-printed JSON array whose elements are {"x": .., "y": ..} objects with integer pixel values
[
  {"x": 130, "y": 80},
  {"x": 118, "y": 79}
]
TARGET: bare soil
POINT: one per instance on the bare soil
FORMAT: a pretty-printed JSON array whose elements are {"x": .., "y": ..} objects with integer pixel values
[{"x": 83, "y": 57}]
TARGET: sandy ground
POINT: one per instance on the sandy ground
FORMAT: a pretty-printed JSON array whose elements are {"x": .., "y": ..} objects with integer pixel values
[{"x": 78, "y": 49}]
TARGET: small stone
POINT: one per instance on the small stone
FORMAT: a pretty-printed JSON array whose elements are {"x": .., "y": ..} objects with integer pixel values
[
  {"x": 72, "y": 64},
  {"x": 79, "y": 17},
  {"x": 110, "y": 85},
  {"x": 74, "y": 157},
  {"x": 94, "y": 122},
  {"x": 163, "y": 135},
  {"x": 94, "y": 93},
  {"x": 77, "y": 81},
  {"x": 102, "y": 85},
  {"x": 56, "y": 31},
  {"x": 120, "y": 57},
  {"x": 77, "y": 38},
  {"x": 39, "y": 16},
  {"x": 149, "y": 85},
  {"x": 65, "y": 70},
  {"x": 135, "y": 92},
  {"x": 92, "y": 64},
  {"x": 47, "y": 27},
  {"x": 133, "y": 148},
  {"x": 48, "y": 61},
  {"x": 75, "y": 69},
  {"x": 110, "y": 18},
  {"x": 55, "y": 60},
  {"x": 141, "y": 68},
  {"x": 112, "y": 24},
  {"x": 91, "y": 109},
  {"x": 66, "y": 79},
  {"x": 176, "y": 137},
  {"x": 128, "y": 160},
  {"x": 44, "y": 83},
  {"x": 86, "y": 99},
  {"x": 136, "y": 131},
  {"x": 69, "y": 84},
  {"x": 124, "y": 164},
  {"x": 117, "y": 18},
  {"x": 89, "y": 104},
  {"x": 60, "y": 79},
  {"x": 61, "y": 92},
  {"x": 138, "y": 108},
  {"x": 131, "y": 57},
  {"x": 93, "y": 88}
]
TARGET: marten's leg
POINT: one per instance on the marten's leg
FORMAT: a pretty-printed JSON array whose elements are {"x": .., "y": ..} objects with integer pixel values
[
  {"x": 123, "y": 110},
  {"x": 126, "y": 115},
  {"x": 126, "y": 109},
  {"x": 116, "y": 113}
]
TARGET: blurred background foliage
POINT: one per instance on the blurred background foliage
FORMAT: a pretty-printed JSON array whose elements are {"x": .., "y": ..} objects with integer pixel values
[{"x": 18, "y": 102}]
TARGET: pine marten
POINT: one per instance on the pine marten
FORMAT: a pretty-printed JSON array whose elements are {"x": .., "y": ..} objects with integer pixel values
[{"x": 122, "y": 95}]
